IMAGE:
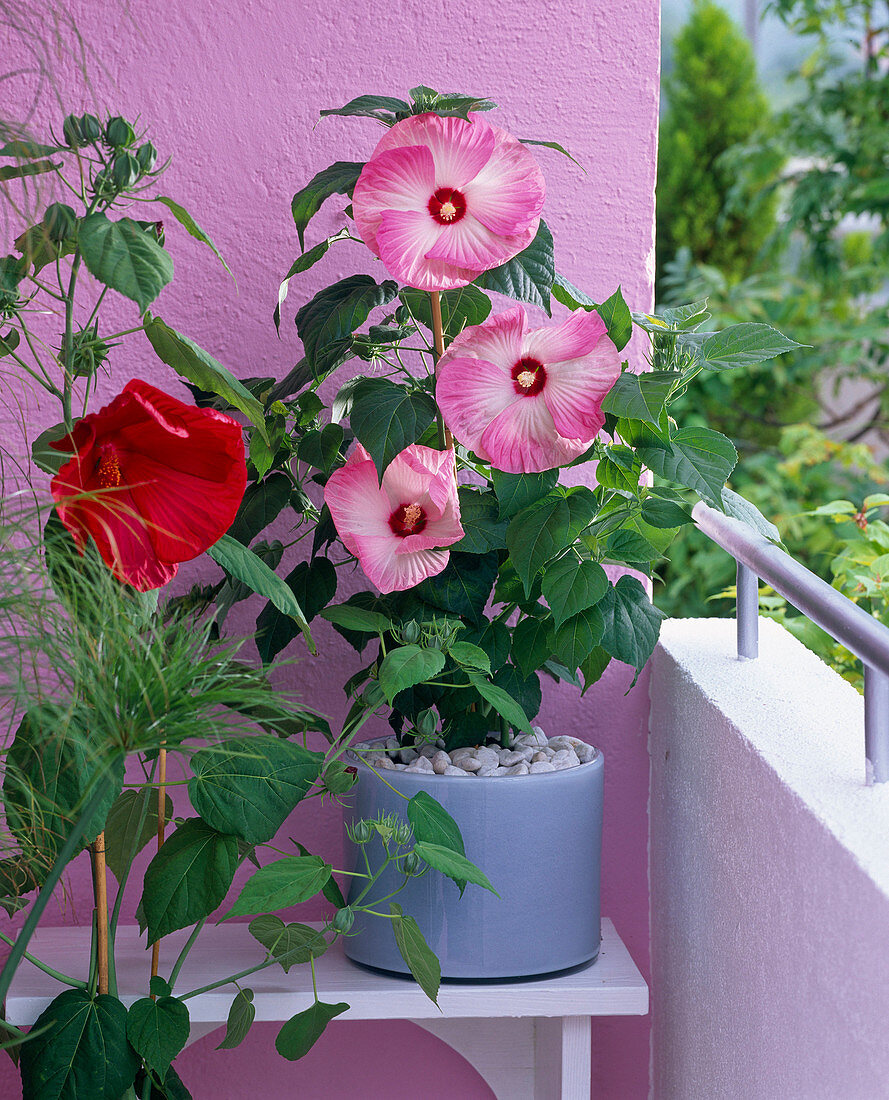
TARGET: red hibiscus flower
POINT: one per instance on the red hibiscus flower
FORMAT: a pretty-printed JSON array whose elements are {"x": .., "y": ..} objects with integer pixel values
[{"x": 153, "y": 482}]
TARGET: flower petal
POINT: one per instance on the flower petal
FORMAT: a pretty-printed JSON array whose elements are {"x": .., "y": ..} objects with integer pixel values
[
  {"x": 392, "y": 572},
  {"x": 357, "y": 505},
  {"x": 576, "y": 388},
  {"x": 498, "y": 340},
  {"x": 574, "y": 337},
  {"x": 421, "y": 475},
  {"x": 508, "y": 193},
  {"x": 460, "y": 149},
  {"x": 112, "y": 520},
  {"x": 397, "y": 179},
  {"x": 405, "y": 239},
  {"x": 469, "y": 245},
  {"x": 471, "y": 393},
  {"x": 523, "y": 439}
]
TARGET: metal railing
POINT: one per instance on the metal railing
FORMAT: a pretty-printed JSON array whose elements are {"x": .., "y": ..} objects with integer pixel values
[{"x": 850, "y": 625}]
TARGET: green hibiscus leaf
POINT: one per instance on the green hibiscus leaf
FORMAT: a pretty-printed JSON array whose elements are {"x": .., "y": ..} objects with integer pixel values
[
  {"x": 313, "y": 585},
  {"x": 289, "y": 944},
  {"x": 131, "y": 823},
  {"x": 463, "y": 586},
  {"x": 466, "y": 305},
  {"x": 699, "y": 459},
  {"x": 386, "y": 418},
  {"x": 576, "y": 638},
  {"x": 744, "y": 345},
  {"x": 249, "y": 785},
  {"x": 483, "y": 528},
  {"x": 545, "y": 528},
  {"x": 326, "y": 323},
  {"x": 240, "y": 1018},
  {"x": 531, "y": 645},
  {"x": 338, "y": 179},
  {"x": 632, "y": 623},
  {"x": 416, "y": 952},
  {"x": 79, "y": 1049},
  {"x": 123, "y": 256},
  {"x": 187, "y": 879},
  {"x": 284, "y": 882},
  {"x": 640, "y": 396},
  {"x": 572, "y": 584},
  {"x": 516, "y": 491},
  {"x": 408, "y": 665},
  {"x": 527, "y": 277},
  {"x": 201, "y": 369},
  {"x": 192, "y": 228},
  {"x": 297, "y": 1037},
  {"x": 158, "y": 1030}
]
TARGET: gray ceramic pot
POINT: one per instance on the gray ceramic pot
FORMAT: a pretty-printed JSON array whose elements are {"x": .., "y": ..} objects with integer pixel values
[{"x": 538, "y": 838}]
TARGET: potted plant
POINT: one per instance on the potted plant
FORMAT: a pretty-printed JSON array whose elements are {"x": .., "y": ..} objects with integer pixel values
[
  {"x": 105, "y": 674},
  {"x": 439, "y": 457}
]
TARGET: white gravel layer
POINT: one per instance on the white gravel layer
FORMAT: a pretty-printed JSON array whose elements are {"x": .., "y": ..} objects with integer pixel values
[{"x": 528, "y": 754}]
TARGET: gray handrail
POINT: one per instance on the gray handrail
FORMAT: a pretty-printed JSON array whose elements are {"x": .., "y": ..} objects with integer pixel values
[{"x": 758, "y": 558}]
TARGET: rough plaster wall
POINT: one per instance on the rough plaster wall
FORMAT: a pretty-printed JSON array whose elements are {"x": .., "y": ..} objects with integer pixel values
[
  {"x": 234, "y": 92},
  {"x": 768, "y": 876}
]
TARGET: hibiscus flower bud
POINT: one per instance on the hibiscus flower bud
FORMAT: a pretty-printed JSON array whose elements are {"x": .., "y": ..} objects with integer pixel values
[
  {"x": 119, "y": 133},
  {"x": 60, "y": 221}
]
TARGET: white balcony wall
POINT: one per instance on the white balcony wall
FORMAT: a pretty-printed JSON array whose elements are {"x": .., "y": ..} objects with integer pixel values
[{"x": 769, "y": 864}]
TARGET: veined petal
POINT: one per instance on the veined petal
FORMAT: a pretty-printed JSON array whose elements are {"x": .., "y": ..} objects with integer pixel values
[
  {"x": 471, "y": 393},
  {"x": 397, "y": 179},
  {"x": 576, "y": 388},
  {"x": 393, "y": 572},
  {"x": 405, "y": 239},
  {"x": 174, "y": 505},
  {"x": 508, "y": 193},
  {"x": 574, "y": 337},
  {"x": 358, "y": 507},
  {"x": 122, "y": 537},
  {"x": 497, "y": 340},
  {"x": 460, "y": 149},
  {"x": 523, "y": 439},
  {"x": 469, "y": 245}
]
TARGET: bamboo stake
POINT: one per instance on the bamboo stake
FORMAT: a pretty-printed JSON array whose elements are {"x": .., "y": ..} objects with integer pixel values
[
  {"x": 161, "y": 823},
  {"x": 438, "y": 340},
  {"x": 100, "y": 892}
]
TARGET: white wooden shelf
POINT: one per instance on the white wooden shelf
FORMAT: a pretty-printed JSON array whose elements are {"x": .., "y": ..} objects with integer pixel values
[{"x": 530, "y": 1039}]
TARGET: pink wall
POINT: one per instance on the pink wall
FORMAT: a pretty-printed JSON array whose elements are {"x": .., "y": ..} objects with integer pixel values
[{"x": 234, "y": 92}]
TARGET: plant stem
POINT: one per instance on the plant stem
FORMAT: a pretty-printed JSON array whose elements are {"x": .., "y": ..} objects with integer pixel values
[
  {"x": 42, "y": 899},
  {"x": 438, "y": 336},
  {"x": 57, "y": 974},
  {"x": 100, "y": 890},
  {"x": 161, "y": 799},
  {"x": 189, "y": 943}
]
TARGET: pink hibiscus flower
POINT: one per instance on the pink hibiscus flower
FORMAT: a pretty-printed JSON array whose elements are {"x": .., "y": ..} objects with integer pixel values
[
  {"x": 527, "y": 401},
  {"x": 393, "y": 528},
  {"x": 442, "y": 200}
]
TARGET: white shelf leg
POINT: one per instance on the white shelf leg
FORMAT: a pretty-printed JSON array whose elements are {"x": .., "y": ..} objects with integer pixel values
[
  {"x": 563, "y": 1050},
  {"x": 501, "y": 1049}
]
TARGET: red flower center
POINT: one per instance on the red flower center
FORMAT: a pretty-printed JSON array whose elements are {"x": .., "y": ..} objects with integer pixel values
[
  {"x": 409, "y": 519},
  {"x": 528, "y": 376},
  {"x": 108, "y": 470},
  {"x": 447, "y": 206}
]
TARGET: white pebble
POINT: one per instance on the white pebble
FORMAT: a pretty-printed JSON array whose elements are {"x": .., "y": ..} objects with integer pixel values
[
  {"x": 440, "y": 763},
  {"x": 509, "y": 757},
  {"x": 452, "y": 770},
  {"x": 420, "y": 764},
  {"x": 391, "y": 766},
  {"x": 407, "y": 756},
  {"x": 489, "y": 769},
  {"x": 539, "y": 757},
  {"x": 517, "y": 769},
  {"x": 428, "y": 750},
  {"x": 565, "y": 758},
  {"x": 468, "y": 763},
  {"x": 487, "y": 756},
  {"x": 585, "y": 752},
  {"x": 539, "y": 766},
  {"x": 392, "y": 745}
]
